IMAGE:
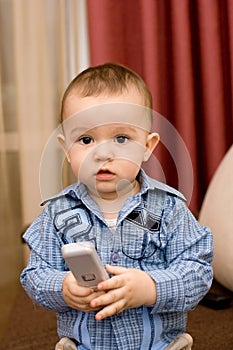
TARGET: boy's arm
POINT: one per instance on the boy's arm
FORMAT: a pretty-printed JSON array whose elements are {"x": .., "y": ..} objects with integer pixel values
[
  {"x": 189, "y": 253},
  {"x": 42, "y": 278}
]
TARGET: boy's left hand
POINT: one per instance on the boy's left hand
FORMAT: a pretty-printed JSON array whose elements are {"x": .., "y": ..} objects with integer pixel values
[{"x": 128, "y": 288}]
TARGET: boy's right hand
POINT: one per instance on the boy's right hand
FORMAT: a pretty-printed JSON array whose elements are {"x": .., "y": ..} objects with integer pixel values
[{"x": 76, "y": 296}]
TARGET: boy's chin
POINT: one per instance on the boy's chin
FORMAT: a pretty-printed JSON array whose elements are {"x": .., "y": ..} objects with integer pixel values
[{"x": 107, "y": 192}]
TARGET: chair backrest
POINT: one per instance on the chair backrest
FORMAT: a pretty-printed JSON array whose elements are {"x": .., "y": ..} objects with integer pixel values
[{"x": 217, "y": 213}]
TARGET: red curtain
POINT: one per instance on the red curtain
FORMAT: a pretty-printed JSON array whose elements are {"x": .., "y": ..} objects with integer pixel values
[{"x": 184, "y": 51}]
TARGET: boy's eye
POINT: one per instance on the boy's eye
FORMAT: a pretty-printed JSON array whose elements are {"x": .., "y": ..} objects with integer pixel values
[
  {"x": 121, "y": 139},
  {"x": 86, "y": 140}
]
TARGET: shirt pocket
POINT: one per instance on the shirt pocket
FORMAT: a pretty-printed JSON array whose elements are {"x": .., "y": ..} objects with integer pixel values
[{"x": 139, "y": 243}]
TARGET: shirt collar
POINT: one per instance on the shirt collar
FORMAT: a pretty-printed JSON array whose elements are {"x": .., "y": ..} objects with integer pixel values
[{"x": 148, "y": 183}]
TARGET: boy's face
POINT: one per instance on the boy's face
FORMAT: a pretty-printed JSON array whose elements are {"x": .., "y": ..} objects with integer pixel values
[{"x": 106, "y": 140}]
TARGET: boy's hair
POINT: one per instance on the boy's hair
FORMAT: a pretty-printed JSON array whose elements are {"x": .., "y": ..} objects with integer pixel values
[{"x": 111, "y": 78}]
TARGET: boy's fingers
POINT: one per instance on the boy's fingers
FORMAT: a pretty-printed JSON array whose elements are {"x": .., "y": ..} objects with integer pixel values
[
  {"x": 106, "y": 299},
  {"x": 116, "y": 270},
  {"x": 112, "y": 283},
  {"x": 110, "y": 310},
  {"x": 78, "y": 291}
]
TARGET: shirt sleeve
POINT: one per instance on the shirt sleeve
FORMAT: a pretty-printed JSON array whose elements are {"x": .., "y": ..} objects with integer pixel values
[
  {"x": 188, "y": 250},
  {"x": 42, "y": 278}
]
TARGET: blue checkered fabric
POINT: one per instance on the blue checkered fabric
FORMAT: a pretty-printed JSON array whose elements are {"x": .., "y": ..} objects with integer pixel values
[{"x": 155, "y": 232}]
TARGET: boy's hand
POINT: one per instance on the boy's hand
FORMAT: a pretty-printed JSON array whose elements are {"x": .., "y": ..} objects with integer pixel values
[
  {"x": 78, "y": 297},
  {"x": 128, "y": 288}
]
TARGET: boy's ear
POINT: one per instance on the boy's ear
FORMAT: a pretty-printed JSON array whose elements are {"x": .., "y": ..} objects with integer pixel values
[
  {"x": 152, "y": 141},
  {"x": 61, "y": 139}
]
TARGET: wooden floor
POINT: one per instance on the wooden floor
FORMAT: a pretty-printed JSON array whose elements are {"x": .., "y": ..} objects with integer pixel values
[{"x": 8, "y": 292}]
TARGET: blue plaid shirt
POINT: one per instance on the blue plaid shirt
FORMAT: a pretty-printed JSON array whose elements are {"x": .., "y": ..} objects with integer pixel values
[{"x": 155, "y": 232}]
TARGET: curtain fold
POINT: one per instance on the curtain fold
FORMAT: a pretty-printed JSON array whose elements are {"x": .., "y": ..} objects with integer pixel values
[
  {"x": 46, "y": 58},
  {"x": 214, "y": 72},
  {"x": 36, "y": 111},
  {"x": 184, "y": 53}
]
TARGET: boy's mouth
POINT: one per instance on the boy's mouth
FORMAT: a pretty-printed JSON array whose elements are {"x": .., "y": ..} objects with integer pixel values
[{"x": 105, "y": 174}]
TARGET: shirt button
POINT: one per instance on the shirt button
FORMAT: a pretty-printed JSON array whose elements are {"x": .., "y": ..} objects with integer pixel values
[
  {"x": 169, "y": 304},
  {"x": 115, "y": 257}
]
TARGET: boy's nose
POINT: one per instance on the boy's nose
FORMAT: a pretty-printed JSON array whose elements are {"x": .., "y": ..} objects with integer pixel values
[{"x": 104, "y": 152}]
